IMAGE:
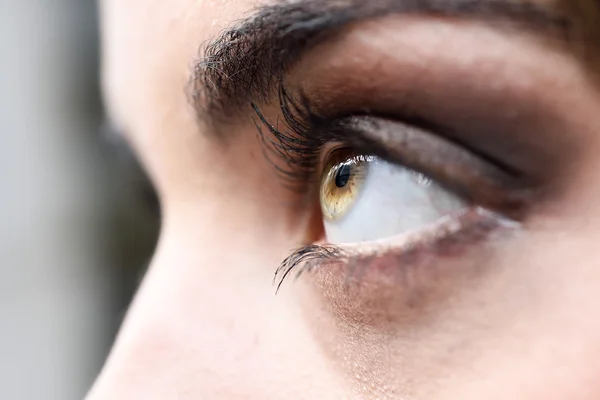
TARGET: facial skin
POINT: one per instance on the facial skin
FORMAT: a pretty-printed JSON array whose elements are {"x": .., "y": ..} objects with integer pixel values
[{"x": 504, "y": 309}]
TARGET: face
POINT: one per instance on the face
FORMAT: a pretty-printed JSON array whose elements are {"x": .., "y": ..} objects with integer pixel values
[{"x": 370, "y": 200}]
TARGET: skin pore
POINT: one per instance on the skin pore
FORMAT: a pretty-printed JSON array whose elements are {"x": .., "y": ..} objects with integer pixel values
[{"x": 508, "y": 311}]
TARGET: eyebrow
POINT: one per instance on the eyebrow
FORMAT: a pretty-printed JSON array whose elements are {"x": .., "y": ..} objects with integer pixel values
[{"x": 247, "y": 61}]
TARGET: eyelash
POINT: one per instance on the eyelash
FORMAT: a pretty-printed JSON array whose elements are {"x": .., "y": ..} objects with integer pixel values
[{"x": 301, "y": 141}]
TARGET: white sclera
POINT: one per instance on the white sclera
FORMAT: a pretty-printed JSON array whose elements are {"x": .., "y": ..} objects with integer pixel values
[{"x": 392, "y": 200}]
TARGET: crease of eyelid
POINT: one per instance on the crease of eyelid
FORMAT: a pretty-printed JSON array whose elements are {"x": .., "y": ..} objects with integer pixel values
[
  {"x": 500, "y": 187},
  {"x": 448, "y": 235},
  {"x": 370, "y": 123}
]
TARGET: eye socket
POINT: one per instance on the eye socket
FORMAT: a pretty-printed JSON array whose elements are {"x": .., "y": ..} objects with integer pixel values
[{"x": 364, "y": 198}]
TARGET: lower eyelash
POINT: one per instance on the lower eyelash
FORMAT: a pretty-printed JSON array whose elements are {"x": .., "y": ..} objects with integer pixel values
[
  {"x": 449, "y": 236},
  {"x": 305, "y": 259}
]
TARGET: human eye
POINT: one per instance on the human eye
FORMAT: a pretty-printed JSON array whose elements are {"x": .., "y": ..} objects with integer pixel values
[{"x": 387, "y": 187}]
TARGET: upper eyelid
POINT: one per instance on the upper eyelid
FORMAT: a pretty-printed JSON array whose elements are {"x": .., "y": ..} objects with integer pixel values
[
  {"x": 502, "y": 95},
  {"x": 392, "y": 134},
  {"x": 451, "y": 164}
]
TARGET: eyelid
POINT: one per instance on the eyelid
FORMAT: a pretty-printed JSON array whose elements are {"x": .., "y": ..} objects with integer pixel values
[
  {"x": 306, "y": 134},
  {"x": 451, "y": 164},
  {"x": 448, "y": 237}
]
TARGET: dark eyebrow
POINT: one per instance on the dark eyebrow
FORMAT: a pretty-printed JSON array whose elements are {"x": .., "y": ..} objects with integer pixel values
[{"x": 247, "y": 61}]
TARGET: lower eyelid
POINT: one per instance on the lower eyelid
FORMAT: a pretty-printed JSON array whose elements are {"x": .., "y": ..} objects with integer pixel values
[
  {"x": 375, "y": 266},
  {"x": 386, "y": 282}
]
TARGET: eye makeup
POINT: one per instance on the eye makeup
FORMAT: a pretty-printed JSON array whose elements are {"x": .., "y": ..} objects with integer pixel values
[
  {"x": 482, "y": 182},
  {"x": 306, "y": 134},
  {"x": 485, "y": 89},
  {"x": 470, "y": 174}
]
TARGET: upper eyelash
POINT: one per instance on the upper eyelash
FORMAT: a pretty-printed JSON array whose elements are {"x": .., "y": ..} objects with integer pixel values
[
  {"x": 299, "y": 142},
  {"x": 291, "y": 144}
]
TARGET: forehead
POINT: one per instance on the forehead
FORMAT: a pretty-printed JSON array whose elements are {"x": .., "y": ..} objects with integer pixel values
[{"x": 148, "y": 48}]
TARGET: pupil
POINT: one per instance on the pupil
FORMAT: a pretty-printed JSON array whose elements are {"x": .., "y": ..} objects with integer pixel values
[{"x": 343, "y": 176}]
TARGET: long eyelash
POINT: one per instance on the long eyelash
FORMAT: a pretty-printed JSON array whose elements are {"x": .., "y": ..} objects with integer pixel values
[{"x": 298, "y": 142}]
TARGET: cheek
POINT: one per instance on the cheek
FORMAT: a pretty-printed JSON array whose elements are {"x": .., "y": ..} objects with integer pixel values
[
  {"x": 206, "y": 322},
  {"x": 521, "y": 324},
  {"x": 548, "y": 338},
  {"x": 210, "y": 326}
]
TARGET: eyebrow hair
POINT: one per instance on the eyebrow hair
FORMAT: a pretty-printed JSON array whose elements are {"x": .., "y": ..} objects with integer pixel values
[{"x": 247, "y": 61}]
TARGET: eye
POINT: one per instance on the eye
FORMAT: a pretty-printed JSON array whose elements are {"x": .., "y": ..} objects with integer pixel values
[{"x": 364, "y": 198}]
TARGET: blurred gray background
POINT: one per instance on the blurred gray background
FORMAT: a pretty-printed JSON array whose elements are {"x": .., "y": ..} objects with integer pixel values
[{"x": 78, "y": 221}]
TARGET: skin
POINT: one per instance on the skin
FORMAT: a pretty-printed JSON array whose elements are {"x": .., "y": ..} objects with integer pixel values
[{"x": 206, "y": 323}]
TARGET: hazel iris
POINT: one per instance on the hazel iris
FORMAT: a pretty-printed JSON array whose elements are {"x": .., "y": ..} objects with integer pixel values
[{"x": 341, "y": 183}]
